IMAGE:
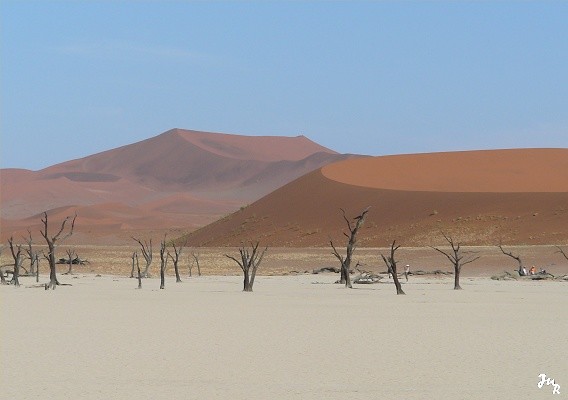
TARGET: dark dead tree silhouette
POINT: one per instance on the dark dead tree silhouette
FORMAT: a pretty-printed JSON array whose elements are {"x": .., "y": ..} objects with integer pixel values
[
  {"x": 51, "y": 245},
  {"x": 249, "y": 262},
  {"x": 190, "y": 263},
  {"x": 163, "y": 263},
  {"x": 146, "y": 249},
  {"x": 2, "y": 277},
  {"x": 37, "y": 265},
  {"x": 31, "y": 254},
  {"x": 561, "y": 251},
  {"x": 457, "y": 257},
  {"x": 196, "y": 260},
  {"x": 17, "y": 255},
  {"x": 175, "y": 258},
  {"x": 518, "y": 258},
  {"x": 353, "y": 226},
  {"x": 134, "y": 257},
  {"x": 135, "y": 260},
  {"x": 70, "y": 257},
  {"x": 391, "y": 262}
]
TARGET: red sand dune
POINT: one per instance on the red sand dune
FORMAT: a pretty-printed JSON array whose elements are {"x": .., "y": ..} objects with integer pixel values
[
  {"x": 483, "y": 197},
  {"x": 521, "y": 170},
  {"x": 177, "y": 179}
]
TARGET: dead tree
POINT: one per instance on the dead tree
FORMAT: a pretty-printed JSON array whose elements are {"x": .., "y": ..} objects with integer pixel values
[
  {"x": 2, "y": 278},
  {"x": 17, "y": 255},
  {"x": 196, "y": 258},
  {"x": 390, "y": 262},
  {"x": 31, "y": 254},
  {"x": 135, "y": 258},
  {"x": 518, "y": 258},
  {"x": 70, "y": 260},
  {"x": 175, "y": 258},
  {"x": 37, "y": 266},
  {"x": 51, "y": 245},
  {"x": 351, "y": 245},
  {"x": 457, "y": 258},
  {"x": 249, "y": 263},
  {"x": 163, "y": 263},
  {"x": 561, "y": 251},
  {"x": 146, "y": 248}
]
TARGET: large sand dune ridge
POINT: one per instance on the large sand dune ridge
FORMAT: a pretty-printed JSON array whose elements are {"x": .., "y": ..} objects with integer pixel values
[
  {"x": 502, "y": 200},
  {"x": 495, "y": 171}
]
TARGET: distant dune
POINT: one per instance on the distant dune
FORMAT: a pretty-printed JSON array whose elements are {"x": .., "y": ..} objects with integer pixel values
[
  {"x": 180, "y": 179},
  {"x": 480, "y": 197}
]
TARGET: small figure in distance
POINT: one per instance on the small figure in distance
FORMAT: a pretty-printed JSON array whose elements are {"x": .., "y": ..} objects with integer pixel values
[
  {"x": 523, "y": 271},
  {"x": 532, "y": 271},
  {"x": 406, "y": 272}
]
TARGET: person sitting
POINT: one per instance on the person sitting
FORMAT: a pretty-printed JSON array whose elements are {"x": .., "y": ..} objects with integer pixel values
[{"x": 532, "y": 271}]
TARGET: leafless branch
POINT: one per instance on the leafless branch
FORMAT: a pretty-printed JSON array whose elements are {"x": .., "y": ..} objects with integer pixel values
[{"x": 561, "y": 251}]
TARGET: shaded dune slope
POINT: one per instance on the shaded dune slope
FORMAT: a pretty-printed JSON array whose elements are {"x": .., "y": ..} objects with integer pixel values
[{"x": 479, "y": 197}]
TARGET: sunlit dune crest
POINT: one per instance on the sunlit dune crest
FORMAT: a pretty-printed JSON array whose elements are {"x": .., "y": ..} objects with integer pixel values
[{"x": 496, "y": 171}]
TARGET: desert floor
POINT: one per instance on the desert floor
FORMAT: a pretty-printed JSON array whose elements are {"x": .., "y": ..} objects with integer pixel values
[{"x": 294, "y": 337}]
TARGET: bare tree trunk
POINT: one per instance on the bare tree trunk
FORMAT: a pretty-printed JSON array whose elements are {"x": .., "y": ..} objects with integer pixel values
[
  {"x": 176, "y": 269},
  {"x": 344, "y": 275},
  {"x": 397, "y": 284},
  {"x": 163, "y": 263},
  {"x": 196, "y": 258},
  {"x": 247, "y": 287},
  {"x": 521, "y": 269},
  {"x": 391, "y": 263},
  {"x": 17, "y": 255},
  {"x": 561, "y": 251},
  {"x": 351, "y": 246},
  {"x": 31, "y": 254},
  {"x": 37, "y": 267},
  {"x": 33, "y": 265},
  {"x": 51, "y": 242},
  {"x": 457, "y": 270},
  {"x": 146, "y": 248},
  {"x": 70, "y": 254},
  {"x": 249, "y": 260},
  {"x": 135, "y": 254},
  {"x": 138, "y": 268},
  {"x": 53, "y": 282},
  {"x": 193, "y": 262},
  {"x": 2, "y": 278},
  {"x": 175, "y": 258},
  {"x": 456, "y": 257}
]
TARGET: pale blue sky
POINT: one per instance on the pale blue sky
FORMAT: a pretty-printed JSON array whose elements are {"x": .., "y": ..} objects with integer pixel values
[{"x": 358, "y": 77}]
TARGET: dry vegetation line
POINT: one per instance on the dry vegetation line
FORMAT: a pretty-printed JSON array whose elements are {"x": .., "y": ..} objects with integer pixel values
[{"x": 250, "y": 260}]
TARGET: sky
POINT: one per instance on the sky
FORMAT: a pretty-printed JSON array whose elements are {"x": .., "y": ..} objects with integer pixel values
[{"x": 81, "y": 77}]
